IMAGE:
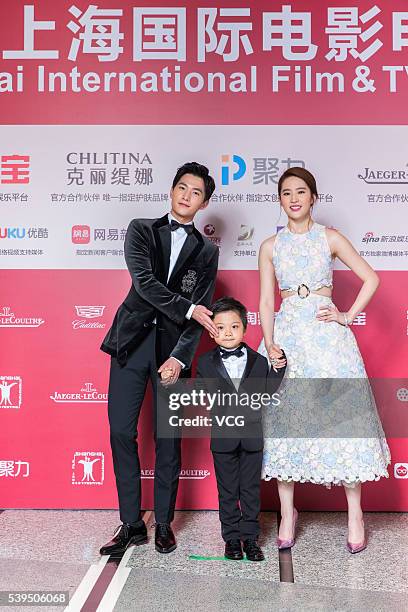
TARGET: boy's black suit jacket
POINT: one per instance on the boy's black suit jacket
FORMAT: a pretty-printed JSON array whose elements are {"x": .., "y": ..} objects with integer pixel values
[
  {"x": 257, "y": 378},
  {"x": 151, "y": 296}
]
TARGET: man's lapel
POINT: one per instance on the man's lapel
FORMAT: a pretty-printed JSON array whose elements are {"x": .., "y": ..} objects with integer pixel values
[
  {"x": 191, "y": 248},
  {"x": 162, "y": 234}
]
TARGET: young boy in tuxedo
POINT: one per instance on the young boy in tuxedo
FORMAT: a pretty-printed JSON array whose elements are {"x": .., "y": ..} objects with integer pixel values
[{"x": 237, "y": 455}]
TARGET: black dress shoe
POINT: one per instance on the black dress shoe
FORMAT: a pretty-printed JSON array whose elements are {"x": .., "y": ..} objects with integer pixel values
[
  {"x": 233, "y": 550},
  {"x": 164, "y": 539},
  {"x": 253, "y": 551},
  {"x": 125, "y": 537}
]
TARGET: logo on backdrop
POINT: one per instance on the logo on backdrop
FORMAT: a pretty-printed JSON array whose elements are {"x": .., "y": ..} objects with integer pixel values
[
  {"x": 210, "y": 231},
  {"x": 401, "y": 470},
  {"x": 264, "y": 171},
  {"x": 88, "y": 468},
  {"x": 103, "y": 168},
  {"x": 244, "y": 245},
  {"x": 89, "y": 394},
  {"x": 402, "y": 394},
  {"x": 9, "y": 319},
  {"x": 81, "y": 234},
  {"x": 232, "y": 164},
  {"x": 20, "y": 233},
  {"x": 86, "y": 313},
  {"x": 246, "y": 233},
  {"x": 384, "y": 177},
  {"x": 13, "y": 469},
  {"x": 11, "y": 388},
  {"x": 191, "y": 474},
  {"x": 396, "y": 238},
  {"x": 369, "y": 237},
  {"x": 15, "y": 169}
]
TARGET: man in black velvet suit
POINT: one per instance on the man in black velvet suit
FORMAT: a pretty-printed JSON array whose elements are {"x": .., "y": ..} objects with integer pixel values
[
  {"x": 157, "y": 330},
  {"x": 237, "y": 451}
]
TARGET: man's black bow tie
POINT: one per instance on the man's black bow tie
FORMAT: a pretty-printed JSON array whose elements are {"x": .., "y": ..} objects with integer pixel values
[
  {"x": 174, "y": 225},
  {"x": 238, "y": 352}
]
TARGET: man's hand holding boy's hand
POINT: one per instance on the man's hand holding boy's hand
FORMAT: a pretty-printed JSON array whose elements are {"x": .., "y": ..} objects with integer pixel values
[{"x": 170, "y": 371}]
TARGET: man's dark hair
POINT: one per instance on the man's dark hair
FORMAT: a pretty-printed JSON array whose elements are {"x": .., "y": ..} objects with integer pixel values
[
  {"x": 197, "y": 169},
  {"x": 226, "y": 304}
]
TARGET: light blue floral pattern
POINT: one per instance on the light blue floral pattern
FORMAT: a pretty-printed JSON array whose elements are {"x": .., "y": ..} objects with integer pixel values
[{"x": 321, "y": 350}]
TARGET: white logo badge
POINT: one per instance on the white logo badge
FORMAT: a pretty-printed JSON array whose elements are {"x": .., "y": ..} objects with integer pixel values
[
  {"x": 401, "y": 470},
  {"x": 88, "y": 468},
  {"x": 402, "y": 395},
  {"x": 86, "y": 313},
  {"x": 10, "y": 391},
  {"x": 90, "y": 312},
  {"x": 189, "y": 281}
]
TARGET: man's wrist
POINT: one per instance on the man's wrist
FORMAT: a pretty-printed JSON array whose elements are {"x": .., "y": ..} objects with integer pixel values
[
  {"x": 190, "y": 311},
  {"x": 183, "y": 365}
]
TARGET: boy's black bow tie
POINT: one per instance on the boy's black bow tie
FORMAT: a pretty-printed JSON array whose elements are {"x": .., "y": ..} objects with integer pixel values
[
  {"x": 174, "y": 225},
  {"x": 238, "y": 352}
]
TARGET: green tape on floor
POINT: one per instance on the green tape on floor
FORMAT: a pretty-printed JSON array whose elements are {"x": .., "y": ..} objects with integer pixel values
[{"x": 201, "y": 558}]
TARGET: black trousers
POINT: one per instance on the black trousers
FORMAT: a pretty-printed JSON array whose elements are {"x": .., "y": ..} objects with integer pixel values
[
  {"x": 238, "y": 476},
  {"x": 127, "y": 387}
]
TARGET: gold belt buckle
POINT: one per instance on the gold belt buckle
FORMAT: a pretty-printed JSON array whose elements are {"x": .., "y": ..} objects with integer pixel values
[{"x": 303, "y": 291}]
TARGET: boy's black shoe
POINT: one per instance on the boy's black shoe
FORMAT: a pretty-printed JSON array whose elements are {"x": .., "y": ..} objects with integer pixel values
[
  {"x": 233, "y": 550},
  {"x": 253, "y": 551},
  {"x": 164, "y": 539}
]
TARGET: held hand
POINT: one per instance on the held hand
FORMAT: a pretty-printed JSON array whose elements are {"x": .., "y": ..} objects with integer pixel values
[
  {"x": 170, "y": 371},
  {"x": 331, "y": 313},
  {"x": 276, "y": 356},
  {"x": 202, "y": 315}
]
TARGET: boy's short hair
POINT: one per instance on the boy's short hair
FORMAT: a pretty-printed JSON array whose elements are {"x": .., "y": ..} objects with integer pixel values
[{"x": 226, "y": 304}]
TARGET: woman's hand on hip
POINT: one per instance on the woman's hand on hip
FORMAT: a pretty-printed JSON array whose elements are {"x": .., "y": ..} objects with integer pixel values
[{"x": 331, "y": 313}]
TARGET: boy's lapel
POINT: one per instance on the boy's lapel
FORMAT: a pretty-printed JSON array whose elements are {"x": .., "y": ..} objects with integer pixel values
[
  {"x": 219, "y": 367},
  {"x": 251, "y": 358}
]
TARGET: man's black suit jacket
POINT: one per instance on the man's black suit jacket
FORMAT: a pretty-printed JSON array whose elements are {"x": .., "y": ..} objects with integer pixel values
[
  {"x": 192, "y": 281},
  {"x": 257, "y": 378}
]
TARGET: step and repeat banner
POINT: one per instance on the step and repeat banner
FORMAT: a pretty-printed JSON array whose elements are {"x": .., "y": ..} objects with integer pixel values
[{"x": 99, "y": 106}]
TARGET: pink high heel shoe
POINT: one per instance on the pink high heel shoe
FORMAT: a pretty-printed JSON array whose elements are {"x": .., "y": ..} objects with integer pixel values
[
  {"x": 356, "y": 548},
  {"x": 283, "y": 544}
]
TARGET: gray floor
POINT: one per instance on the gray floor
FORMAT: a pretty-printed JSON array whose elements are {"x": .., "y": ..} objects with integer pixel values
[
  {"x": 50, "y": 549},
  {"x": 56, "y": 549}
]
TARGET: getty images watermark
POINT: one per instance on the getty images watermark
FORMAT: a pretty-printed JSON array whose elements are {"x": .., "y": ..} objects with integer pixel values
[
  {"x": 218, "y": 402},
  {"x": 227, "y": 409}
]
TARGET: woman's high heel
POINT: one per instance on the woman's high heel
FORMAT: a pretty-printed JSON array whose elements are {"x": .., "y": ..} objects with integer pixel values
[
  {"x": 356, "y": 548},
  {"x": 282, "y": 544}
]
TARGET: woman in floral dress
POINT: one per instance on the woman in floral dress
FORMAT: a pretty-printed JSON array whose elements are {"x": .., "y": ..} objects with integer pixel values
[{"x": 320, "y": 348}]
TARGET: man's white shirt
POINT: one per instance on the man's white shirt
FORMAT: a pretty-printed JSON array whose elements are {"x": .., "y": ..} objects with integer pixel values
[{"x": 178, "y": 238}]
